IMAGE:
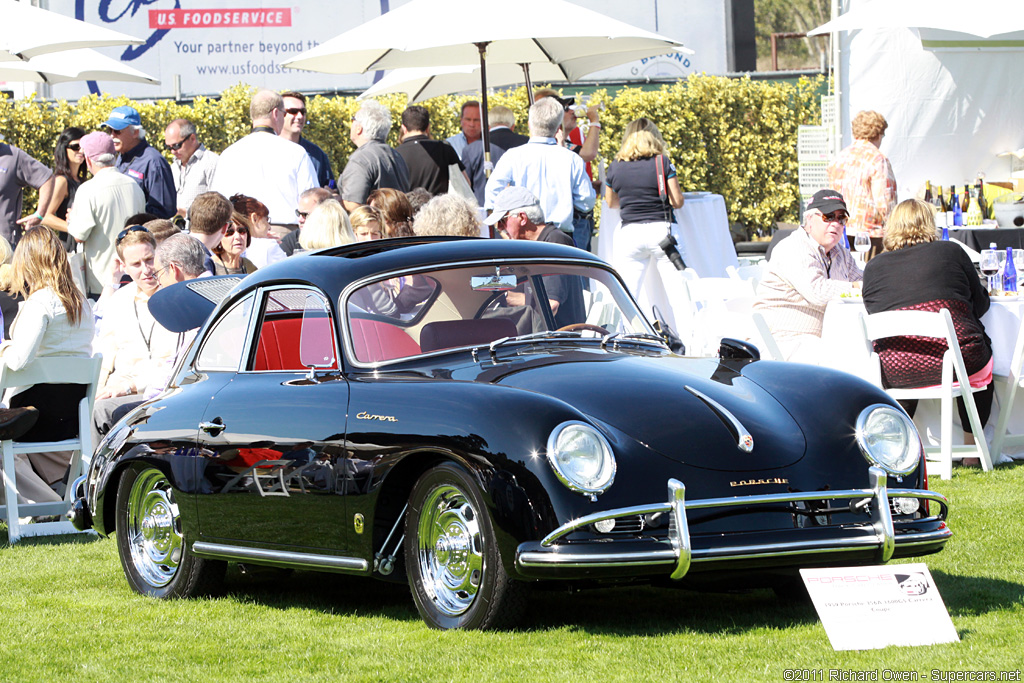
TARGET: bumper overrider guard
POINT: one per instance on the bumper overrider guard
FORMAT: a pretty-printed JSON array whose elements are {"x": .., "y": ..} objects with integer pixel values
[{"x": 678, "y": 554}]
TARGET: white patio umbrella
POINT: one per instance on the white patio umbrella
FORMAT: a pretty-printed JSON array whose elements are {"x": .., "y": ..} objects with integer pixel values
[
  {"x": 27, "y": 32},
  {"x": 72, "y": 65},
  {"x": 985, "y": 18},
  {"x": 432, "y": 33},
  {"x": 423, "y": 83}
]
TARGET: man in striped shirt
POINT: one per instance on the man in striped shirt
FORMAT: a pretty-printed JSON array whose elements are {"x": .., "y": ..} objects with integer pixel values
[{"x": 807, "y": 269}]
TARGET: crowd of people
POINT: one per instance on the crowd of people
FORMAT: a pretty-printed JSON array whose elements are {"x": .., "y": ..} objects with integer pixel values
[{"x": 116, "y": 221}]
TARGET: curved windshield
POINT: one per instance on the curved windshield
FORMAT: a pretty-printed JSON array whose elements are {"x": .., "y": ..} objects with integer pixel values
[{"x": 460, "y": 307}]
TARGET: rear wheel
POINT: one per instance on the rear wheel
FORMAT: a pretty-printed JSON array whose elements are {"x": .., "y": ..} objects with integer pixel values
[
  {"x": 153, "y": 551},
  {"x": 451, "y": 555}
]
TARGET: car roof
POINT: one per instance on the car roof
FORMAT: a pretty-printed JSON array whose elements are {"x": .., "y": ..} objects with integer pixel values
[{"x": 332, "y": 269}]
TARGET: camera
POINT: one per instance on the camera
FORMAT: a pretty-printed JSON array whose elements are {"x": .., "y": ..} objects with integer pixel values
[{"x": 668, "y": 245}]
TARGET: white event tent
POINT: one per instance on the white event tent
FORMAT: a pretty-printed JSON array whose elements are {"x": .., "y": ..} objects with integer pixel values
[{"x": 953, "y": 100}]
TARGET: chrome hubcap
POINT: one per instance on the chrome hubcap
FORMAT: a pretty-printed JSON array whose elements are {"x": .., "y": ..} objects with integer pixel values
[
  {"x": 450, "y": 550},
  {"x": 154, "y": 529}
]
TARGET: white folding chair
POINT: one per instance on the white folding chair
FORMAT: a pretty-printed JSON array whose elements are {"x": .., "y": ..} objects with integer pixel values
[
  {"x": 709, "y": 297},
  {"x": 1013, "y": 381},
  {"x": 954, "y": 382},
  {"x": 50, "y": 369},
  {"x": 754, "y": 272}
]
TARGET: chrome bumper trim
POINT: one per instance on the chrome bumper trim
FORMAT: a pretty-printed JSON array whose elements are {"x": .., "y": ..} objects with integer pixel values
[
  {"x": 278, "y": 557},
  {"x": 880, "y": 535}
]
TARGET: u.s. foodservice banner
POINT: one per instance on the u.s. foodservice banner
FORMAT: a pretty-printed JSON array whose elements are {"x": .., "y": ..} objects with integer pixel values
[{"x": 211, "y": 45}]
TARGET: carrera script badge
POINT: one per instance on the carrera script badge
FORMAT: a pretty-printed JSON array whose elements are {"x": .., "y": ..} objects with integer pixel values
[{"x": 380, "y": 418}]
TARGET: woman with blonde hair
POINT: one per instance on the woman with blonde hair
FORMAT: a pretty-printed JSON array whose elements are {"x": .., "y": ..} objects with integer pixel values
[
  {"x": 327, "y": 226},
  {"x": 916, "y": 272},
  {"x": 633, "y": 182},
  {"x": 55, "y": 320}
]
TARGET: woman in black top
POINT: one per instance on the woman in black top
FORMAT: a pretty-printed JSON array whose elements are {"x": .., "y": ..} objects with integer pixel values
[
  {"x": 647, "y": 211},
  {"x": 69, "y": 166},
  {"x": 918, "y": 273}
]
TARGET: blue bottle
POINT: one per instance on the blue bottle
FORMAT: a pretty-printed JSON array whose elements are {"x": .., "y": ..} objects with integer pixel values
[
  {"x": 958, "y": 214},
  {"x": 945, "y": 233},
  {"x": 1009, "y": 273}
]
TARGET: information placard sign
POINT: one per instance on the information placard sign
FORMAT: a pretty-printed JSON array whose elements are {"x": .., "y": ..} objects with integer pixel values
[{"x": 866, "y": 608}]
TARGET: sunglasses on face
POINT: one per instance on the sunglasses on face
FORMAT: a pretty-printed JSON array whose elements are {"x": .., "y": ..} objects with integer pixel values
[
  {"x": 835, "y": 217},
  {"x": 177, "y": 145},
  {"x": 302, "y": 214},
  {"x": 74, "y": 146},
  {"x": 124, "y": 233},
  {"x": 232, "y": 229},
  {"x": 295, "y": 111}
]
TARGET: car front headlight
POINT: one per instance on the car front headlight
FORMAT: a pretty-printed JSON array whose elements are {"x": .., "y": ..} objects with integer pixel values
[
  {"x": 581, "y": 458},
  {"x": 889, "y": 439}
]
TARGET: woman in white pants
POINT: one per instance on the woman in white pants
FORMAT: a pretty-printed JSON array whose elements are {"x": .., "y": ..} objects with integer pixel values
[{"x": 632, "y": 185}]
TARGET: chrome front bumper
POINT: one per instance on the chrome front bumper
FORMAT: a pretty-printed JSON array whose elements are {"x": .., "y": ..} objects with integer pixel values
[{"x": 677, "y": 553}]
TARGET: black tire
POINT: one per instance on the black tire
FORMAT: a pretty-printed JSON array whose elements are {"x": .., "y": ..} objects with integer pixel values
[
  {"x": 455, "y": 573},
  {"x": 154, "y": 554}
]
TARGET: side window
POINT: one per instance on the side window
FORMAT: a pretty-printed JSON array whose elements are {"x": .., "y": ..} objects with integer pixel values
[
  {"x": 295, "y": 333},
  {"x": 223, "y": 345}
]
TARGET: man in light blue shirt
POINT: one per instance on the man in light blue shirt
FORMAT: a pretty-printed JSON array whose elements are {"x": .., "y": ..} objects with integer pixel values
[
  {"x": 554, "y": 174},
  {"x": 471, "y": 128}
]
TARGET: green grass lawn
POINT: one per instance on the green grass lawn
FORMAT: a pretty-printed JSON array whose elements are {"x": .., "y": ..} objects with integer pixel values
[{"x": 66, "y": 613}]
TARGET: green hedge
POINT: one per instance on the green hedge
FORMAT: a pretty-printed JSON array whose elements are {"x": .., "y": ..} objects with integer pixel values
[{"x": 735, "y": 137}]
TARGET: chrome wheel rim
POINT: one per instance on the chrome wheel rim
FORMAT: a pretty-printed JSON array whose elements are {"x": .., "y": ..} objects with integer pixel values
[
  {"x": 450, "y": 550},
  {"x": 154, "y": 529}
]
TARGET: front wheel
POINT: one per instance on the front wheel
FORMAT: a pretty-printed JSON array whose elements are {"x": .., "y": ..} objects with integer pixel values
[
  {"x": 451, "y": 555},
  {"x": 153, "y": 551}
]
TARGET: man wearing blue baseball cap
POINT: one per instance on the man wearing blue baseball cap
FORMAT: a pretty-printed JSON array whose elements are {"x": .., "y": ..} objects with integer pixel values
[{"x": 141, "y": 162}]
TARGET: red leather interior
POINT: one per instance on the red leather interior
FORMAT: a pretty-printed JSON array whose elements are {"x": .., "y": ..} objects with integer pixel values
[
  {"x": 377, "y": 341},
  {"x": 278, "y": 347}
]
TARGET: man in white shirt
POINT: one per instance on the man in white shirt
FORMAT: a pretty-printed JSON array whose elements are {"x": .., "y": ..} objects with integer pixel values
[
  {"x": 266, "y": 166},
  {"x": 102, "y": 204},
  {"x": 807, "y": 269},
  {"x": 472, "y": 129},
  {"x": 194, "y": 165}
]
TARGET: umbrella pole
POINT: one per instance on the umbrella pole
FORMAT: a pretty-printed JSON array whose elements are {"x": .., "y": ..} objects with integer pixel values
[
  {"x": 529, "y": 86},
  {"x": 485, "y": 130}
]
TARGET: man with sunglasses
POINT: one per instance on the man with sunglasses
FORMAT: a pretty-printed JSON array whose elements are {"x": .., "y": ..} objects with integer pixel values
[
  {"x": 194, "y": 165},
  {"x": 102, "y": 205},
  {"x": 266, "y": 166},
  {"x": 141, "y": 162},
  {"x": 808, "y": 269},
  {"x": 295, "y": 120}
]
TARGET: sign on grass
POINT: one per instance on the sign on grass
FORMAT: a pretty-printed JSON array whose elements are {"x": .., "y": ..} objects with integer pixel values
[{"x": 866, "y": 608}]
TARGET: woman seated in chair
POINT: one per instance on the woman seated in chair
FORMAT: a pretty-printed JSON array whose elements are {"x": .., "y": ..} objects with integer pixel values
[
  {"x": 55, "y": 320},
  {"x": 919, "y": 273}
]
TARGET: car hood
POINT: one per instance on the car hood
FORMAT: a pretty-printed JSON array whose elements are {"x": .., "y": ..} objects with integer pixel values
[{"x": 678, "y": 407}]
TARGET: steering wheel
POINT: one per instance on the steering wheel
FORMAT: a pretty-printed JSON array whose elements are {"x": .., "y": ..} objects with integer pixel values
[{"x": 583, "y": 326}]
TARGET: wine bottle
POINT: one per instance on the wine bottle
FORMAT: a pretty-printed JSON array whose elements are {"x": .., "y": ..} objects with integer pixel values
[
  {"x": 1009, "y": 273},
  {"x": 954, "y": 201},
  {"x": 928, "y": 192},
  {"x": 973, "y": 214},
  {"x": 982, "y": 202},
  {"x": 941, "y": 201},
  {"x": 965, "y": 200}
]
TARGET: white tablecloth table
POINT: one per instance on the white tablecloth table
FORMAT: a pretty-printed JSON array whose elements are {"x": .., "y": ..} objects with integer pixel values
[
  {"x": 702, "y": 230},
  {"x": 844, "y": 349}
]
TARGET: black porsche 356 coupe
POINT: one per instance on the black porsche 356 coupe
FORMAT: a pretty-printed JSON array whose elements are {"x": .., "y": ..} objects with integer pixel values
[{"x": 477, "y": 416}]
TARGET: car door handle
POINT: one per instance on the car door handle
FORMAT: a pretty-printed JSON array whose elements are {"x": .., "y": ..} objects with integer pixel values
[{"x": 212, "y": 428}]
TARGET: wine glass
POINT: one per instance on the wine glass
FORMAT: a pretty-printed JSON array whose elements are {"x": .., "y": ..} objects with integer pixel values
[
  {"x": 989, "y": 266},
  {"x": 862, "y": 244}
]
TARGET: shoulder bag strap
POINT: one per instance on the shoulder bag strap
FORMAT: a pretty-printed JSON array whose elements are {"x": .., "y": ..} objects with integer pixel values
[{"x": 659, "y": 166}]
